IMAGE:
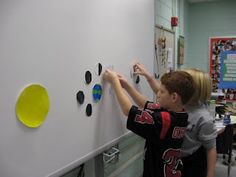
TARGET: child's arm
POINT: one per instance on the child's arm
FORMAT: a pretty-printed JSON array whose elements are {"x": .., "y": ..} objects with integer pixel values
[
  {"x": 122, "y": 98},
  {"x": 140, "y": 69},
  {"x": 211, "y": 161},
  {"x": 139, "y": 99}
]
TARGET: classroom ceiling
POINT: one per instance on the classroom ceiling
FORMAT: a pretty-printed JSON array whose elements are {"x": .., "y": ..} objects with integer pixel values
[{"x": 196, "y": 1}]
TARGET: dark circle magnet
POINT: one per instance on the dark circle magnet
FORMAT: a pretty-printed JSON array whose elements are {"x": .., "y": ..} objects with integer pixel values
[
  {"x": 89, "y": 110},
  {"x": 80, "y": 97},
  {"x": 88, "y": 77},
  {"x": 97, "y": 92},
  {"x": 156, "y": 76},
  {"x": 137, "y": 80},
  {"x": 98, "y": 69}
]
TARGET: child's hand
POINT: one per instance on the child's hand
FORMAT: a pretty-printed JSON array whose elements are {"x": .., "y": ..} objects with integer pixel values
[
  {"x": 123, "y": 81},
  {"x": 110, "y": 75},
  {"x": 140, "y": 69}
]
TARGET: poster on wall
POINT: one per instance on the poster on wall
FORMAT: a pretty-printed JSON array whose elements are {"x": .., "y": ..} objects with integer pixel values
[
  {"x": 223, "y": 66},
  {"x": 227, "y": 70},
  {"x": 164, "y": 50}
]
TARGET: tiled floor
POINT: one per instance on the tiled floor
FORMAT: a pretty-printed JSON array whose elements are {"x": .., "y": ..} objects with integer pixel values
[{"x": 221, "y": 169}]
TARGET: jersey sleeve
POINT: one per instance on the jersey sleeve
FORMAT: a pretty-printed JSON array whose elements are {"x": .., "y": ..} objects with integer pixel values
[
  {"x": 146, "y": 123},
  {"x": 152, "y": 106}
]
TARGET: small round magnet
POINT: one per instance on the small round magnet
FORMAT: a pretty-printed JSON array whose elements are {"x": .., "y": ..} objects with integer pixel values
[
  {"x": 88, "y": 77},
  {"x": 89, "y": 110},
  {"x": 80, "y": 97},
  {"x": 137, "y": 79},
  {"x": 98, "y": 69}
]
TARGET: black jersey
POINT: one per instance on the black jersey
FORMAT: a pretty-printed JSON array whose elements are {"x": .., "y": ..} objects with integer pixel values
[{"x": 163, "y": 131}]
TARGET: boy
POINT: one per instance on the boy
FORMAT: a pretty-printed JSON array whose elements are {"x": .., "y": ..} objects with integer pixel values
[
  {"x": 162, "y": 125},
  {"x": 199, "y": 142}
]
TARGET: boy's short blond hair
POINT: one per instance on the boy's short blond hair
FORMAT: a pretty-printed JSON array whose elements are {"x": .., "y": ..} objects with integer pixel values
[{"x": 203, "y": 84}]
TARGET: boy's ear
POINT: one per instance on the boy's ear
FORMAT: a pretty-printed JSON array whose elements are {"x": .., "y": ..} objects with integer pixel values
[{"x": 175, "y": 97}]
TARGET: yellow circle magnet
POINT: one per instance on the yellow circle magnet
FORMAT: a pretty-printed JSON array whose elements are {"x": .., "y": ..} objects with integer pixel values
[{"x": 33, "y": 105}]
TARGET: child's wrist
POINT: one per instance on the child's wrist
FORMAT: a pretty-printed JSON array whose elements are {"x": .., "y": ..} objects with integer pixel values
[
  {"x": 149, "y": 78},
  {"x": 115, "y": 80}
]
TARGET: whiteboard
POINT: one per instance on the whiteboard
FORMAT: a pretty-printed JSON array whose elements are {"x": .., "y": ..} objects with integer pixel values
[{"x": 54, "y": 43}]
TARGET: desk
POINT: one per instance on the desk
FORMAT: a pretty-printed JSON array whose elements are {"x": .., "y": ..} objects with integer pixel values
[
  {"x": 224, "y": 140},
  {"x": 219, "y": 123},
  {"x": 221, "y": 128}
]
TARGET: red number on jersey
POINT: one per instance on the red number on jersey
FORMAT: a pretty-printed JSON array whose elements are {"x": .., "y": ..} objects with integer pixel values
[{"x": 144, "y": 118}]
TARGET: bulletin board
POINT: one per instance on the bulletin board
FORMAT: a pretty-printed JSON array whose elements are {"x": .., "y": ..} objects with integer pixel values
[
  {"x": 56, "y": 111},
  {"x": 222, "y": 65}
]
